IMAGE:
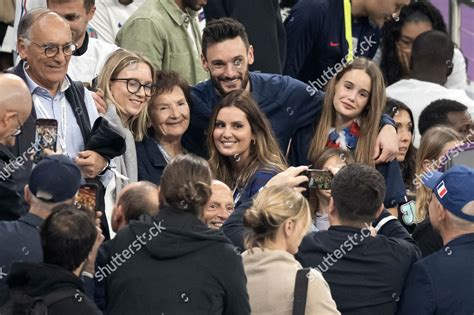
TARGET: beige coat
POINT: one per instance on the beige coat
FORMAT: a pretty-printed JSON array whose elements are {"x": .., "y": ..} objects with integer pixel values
[{"x": 271, "y": 281}]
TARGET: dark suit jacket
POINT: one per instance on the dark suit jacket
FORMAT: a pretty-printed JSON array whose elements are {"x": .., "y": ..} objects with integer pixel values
[
  {"x": 443, "y": 282},
  {"x": 151, "y": 162}
]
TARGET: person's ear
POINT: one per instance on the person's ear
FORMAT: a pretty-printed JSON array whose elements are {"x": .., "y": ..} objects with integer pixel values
[
  {"x": 426, "y": 164},
  {"x": 21, "y": 47},
  {"x": 289, "y": 228},
  {"x": 27, "y": 193},
  {"x": 204, "y": 62},
  {"x": 8, "y": 119},
  {"x": 91, "y": 13},
  {"x": 250, "y": 55},
  {"x": 379, "y": 211},
  {"x": 332, "y": 207},
  {"x": 117, "y": 217}
]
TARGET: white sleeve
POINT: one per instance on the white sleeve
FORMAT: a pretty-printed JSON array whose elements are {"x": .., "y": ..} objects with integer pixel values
[{"x": 458, "y": 78}]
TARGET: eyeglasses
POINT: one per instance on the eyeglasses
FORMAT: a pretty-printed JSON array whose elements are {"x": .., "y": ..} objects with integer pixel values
[
  {"x": 220, "y": 65},
  {"x": 19, "y": 129},
  {"x": 133, "y": 86},
  {"x": 52, "y": 50}
]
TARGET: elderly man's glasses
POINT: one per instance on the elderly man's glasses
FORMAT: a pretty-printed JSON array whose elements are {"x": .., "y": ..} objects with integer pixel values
[
  {"x": 52, "y": 50},
  {"x": 133, "y": 86}
]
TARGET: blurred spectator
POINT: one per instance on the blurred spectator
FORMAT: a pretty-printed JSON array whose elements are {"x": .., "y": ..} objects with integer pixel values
[
  {"x": 324, "y": 35},
  {"x": 288, "y": 104},
  {"x": 169, "y": 116},
  {"x": 54, "y": 181},
  {"x": 110, "y": 16},
  {"x": 90, "y": 54},
  {"x": 365, "y": 273},
  {"x": 134, "y": 200},
  {"x": 220, "y": 205},
  {"x": 15, "y": 108},
  {"x": 319, "y": 198},
  {"x": 262, "y": 21},
  {"x": 167, "y": 32},
  {"x": 243, "y": 152},
  {"x": 435, "y": 143},
  {"x": 446, "y": 112},
  {"x": 443, "y": 282},
  {"x": 278, "y": 220},
  {"x": 218, "y": 287},
  {"x": 431, "y": 63},
  {"x": 397, "y": 41},
  {"x": 127, "y": 81},
  {"x": 68, "y": 238}
]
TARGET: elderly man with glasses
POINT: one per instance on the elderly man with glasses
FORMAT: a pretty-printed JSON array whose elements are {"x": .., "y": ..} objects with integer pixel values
[{"x": 45, "y": 46}]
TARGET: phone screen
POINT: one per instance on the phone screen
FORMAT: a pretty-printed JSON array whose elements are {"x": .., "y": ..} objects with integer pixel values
[
  {"x": 87, "y": 196},
  {"x": 319, "y": 179},
  {"x": 46, "y": 136}
]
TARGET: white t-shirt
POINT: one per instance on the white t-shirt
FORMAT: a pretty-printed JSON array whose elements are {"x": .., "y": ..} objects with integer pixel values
[
  {"x": 109, "y": 17},
  {"x": 418, "y": 94}
]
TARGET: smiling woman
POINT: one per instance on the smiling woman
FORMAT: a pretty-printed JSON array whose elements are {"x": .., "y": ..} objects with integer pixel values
[
  {"x": 243, "y": 152},
  {"x": 169, "y": 115},
  {"x": 127, "y": 80}
]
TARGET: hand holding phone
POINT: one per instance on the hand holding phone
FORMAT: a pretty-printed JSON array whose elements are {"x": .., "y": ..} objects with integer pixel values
[{"x": 46, "y": 136}]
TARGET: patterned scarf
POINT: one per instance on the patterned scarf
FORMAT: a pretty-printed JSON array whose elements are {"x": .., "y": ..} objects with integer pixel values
[{"x": 345, "y": 139}]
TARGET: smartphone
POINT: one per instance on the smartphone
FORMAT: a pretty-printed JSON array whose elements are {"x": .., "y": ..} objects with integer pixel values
[
  {"x": 46, "y": 136},
  {"x": 87, "y": 196},
  {"x": 318, "y": 179}
]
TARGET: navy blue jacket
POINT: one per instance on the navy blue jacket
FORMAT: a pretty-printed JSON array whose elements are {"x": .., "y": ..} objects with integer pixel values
[
  {"x": 288, "y": 104},
  {"x": 19, "y": 241},
  {"x": 443, "y": 282},
  {"x": 150, "y": 160},
  {"x": 365, "y": 273},
  {"x": 316, "y": 39}
]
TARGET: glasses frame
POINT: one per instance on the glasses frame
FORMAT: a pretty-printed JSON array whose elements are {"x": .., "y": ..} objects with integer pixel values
[
  {"x": 56, "y": 49},
  {"x": 150, "y": 86}
]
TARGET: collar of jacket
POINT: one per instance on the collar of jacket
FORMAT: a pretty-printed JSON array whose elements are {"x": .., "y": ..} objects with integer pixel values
[
  {"x": 32, "y": 219},
  {"x": 178, "y": 16},
  {"x": 151, "y": 147},
  {"x": 465, "y": 238},
  {"x": 82, "y": 50}
]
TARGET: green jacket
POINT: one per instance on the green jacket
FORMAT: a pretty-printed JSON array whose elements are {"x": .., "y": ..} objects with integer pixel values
[{"x": 158, "y": 29}]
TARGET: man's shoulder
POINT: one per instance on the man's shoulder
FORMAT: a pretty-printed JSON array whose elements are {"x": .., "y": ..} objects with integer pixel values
[
  {"x": 270, "y": 83},
  {"x": 151, "y": 11},
  {"x": 101, "y": 46}
]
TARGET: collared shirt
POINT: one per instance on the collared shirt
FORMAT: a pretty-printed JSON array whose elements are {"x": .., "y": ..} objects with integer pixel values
[
  {"x": 164, "y": 38},
  {"x": 48, "y": 106},
  {"x": 19, "y": 241}
]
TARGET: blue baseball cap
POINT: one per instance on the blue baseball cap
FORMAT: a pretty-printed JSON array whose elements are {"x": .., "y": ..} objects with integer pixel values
[
  {"x": 55, "y": 178},
  {"x": 454, "y": 189}
]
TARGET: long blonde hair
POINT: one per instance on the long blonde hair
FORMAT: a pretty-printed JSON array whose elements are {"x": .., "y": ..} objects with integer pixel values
[
  {"x": 119, "y": 60},
  {"x": 264, "y": 152},
  {"x": 431, "y": 146},
  {"x": 272, "y": 207},
  {"x": 369, "y": 118}
]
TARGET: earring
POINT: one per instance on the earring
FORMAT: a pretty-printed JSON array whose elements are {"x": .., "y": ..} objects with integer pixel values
[
  {"x": 253, "y": 141},
  {"x": 26, "y": 64}
]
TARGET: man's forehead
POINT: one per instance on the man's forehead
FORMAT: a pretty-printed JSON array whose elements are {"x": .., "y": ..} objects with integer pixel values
[
  {"x": 52, "y": 29},
  {"x": 227, "y": 49}
]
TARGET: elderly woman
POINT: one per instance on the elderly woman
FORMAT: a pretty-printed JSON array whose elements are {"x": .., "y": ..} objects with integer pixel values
[
  {"x": 178, "y": 265},
  {"x": 169, "y": 113}
]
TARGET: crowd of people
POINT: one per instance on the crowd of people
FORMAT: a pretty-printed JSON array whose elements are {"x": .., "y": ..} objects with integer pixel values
[{"x": 192, "y": 129}]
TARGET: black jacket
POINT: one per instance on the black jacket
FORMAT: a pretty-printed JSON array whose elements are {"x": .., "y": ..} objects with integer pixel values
[
  {"x": 173, "y": 264},
  {"x": 10, "y": 199},
  {"x": 365, "y": 274},
  {"x": 41, "y": 279},
  {"x": 150, "y": 160}
]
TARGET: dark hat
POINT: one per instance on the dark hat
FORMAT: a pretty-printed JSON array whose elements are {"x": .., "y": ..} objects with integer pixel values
[
  {"x": 454, "y": 189},
  {"x": 55, "y": 179}
]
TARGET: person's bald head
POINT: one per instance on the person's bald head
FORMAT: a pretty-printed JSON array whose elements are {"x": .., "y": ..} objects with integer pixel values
[
  {"x": 219, "y": 206},
  {"x": 15, "y": 106},
  {"x": 134, "y": 200}
]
